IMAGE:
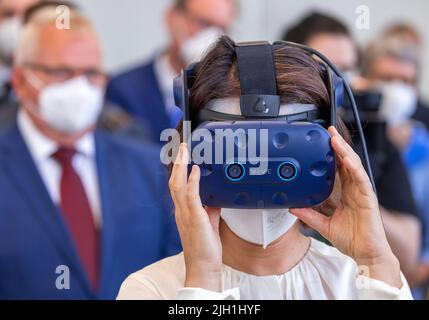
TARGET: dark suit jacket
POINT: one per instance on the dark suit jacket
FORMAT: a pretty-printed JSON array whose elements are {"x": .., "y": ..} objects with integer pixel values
[
  {"x": 137, "y": 223},
  {"x": 422, "y": 113},
  {"x": 8, "y": 112},
  {"x": 138, "y": 92},
  {"x": 112, "y": 119}
]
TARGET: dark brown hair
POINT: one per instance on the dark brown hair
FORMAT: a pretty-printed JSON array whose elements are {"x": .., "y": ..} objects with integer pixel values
[
  {"x": 300, "y": 78},
  {"x": 314, "y": 24}
]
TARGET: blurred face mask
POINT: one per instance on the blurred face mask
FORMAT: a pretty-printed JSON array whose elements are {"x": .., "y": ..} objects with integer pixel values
[
  {"x": 350, "y": 75},
  {"x": 10, "y": 30},
  {"x": 399, "y": 102},
  {"x": 193, "y": 48},
  {"x": 71, "y": 106},
  {"x": 260, "y": 227}
]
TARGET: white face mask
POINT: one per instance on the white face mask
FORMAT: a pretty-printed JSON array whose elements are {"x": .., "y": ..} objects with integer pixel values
[
  {"x": 10, "y": 31},
  {"x": 71, "y": 106},
  {"x": 193, "y": 48},
  {"x": 260, "y": 227},
  {"x": 399, "y": 102}
]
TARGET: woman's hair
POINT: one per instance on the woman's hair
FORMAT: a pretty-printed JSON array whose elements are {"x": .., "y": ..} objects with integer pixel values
[{"x": 300, "y": 78}]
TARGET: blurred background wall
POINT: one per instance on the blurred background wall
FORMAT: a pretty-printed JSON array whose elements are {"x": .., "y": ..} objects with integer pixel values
[{"x": 131, "y": 30}]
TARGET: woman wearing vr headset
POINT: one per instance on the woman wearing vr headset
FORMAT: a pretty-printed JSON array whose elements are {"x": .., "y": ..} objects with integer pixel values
[{"x": 261, "y": 254}]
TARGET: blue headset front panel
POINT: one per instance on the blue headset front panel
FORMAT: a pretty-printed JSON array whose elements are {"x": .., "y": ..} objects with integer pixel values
[{"x": 299, "y": 170}]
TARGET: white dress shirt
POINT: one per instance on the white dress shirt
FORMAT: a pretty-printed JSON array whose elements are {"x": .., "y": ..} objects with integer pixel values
[
  {"x": 165, "y": 75},
  {"x": 42, "y": 148},
  {"x": 323, "y": 273}
]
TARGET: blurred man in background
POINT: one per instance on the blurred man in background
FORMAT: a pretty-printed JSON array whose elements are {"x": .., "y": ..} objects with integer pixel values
[
  {"x": 391, "y": 66},
  {"x": 402, "y": 221},
  {"x": 112, "y": 119},
  {"x": 394, "y": 59},
  {"x": 146, "y": 92},
  {"x": 15, "y": 13},
  {"x": 83, "y": 208},
  {"x": 406, "y": 32},
  {"x": 329, "y": 36},
  {"x": 11, "y": 12}
]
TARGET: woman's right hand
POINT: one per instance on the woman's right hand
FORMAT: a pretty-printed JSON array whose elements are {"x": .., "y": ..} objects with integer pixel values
[{"x": 198, "y": 227}]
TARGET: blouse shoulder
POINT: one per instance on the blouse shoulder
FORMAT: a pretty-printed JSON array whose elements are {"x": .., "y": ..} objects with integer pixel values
[
  {"x": 331, "y": 265},
  {"x": 326, "y": 252},
  {"x": 158, "y": 281}
]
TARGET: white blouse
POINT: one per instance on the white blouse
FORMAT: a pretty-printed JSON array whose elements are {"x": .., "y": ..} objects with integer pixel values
[{"x": 323, "y": 273}]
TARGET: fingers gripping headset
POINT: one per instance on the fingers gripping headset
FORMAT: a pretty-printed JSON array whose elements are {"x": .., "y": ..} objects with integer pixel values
[{"x": 300, "y": 168}]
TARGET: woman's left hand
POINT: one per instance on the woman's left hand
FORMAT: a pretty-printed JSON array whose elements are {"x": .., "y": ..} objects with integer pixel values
[{"x": 356, "y": 227}]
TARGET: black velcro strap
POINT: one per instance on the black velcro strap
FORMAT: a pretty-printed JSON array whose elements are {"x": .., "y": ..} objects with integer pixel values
[
  {"x": 256, "y": 68},
  {"x": 257, "y": 75}
]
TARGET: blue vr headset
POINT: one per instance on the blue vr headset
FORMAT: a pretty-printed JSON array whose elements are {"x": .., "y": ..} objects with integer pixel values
[{"x": 299, "y": 168}]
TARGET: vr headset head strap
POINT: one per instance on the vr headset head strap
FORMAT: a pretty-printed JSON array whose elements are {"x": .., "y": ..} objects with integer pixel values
[{"x": 257, "y": 75}]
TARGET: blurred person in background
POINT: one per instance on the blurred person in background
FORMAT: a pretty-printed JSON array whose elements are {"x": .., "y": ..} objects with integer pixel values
[
  {"x": 16, "y": 14},
  {"x": 329, "y": 36},
  {"x": 400, "y": 214},
  {"x": 404, "y": 31},
  {"x": 82, "y": 208},
  {"x": 395, "y": 57},
  {"x": 112, "y": 118},
  {"x": 146, "y": 92},
  {"x": 11, "y": 12},
  {"x": 391, "y": 65}
]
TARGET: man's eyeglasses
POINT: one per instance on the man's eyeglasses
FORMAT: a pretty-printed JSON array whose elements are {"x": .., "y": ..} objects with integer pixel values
[{"x": 60, "y": 74}]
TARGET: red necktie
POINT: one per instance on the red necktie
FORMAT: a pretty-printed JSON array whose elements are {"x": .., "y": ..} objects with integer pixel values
[{"x": 77, "y": 213}]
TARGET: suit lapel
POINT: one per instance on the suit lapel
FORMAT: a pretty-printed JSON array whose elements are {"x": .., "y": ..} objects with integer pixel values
[
  {"x": 102, "y": 172},
  {"x": 155, "y": 110},
  {"x": 24, "y": 174}
]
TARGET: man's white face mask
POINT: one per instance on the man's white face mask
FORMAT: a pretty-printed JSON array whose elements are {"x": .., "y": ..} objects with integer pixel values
[
  {"x": 193, "y": 48},
  {"x": 260, "y": 227},
  {"x": 71, "y": 106},
  {"x": 399, "y": 102},
  {"x": 10, "y": 30}
]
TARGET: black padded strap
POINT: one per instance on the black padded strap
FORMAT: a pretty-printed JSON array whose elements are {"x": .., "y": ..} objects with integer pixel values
[
  {"x": 256, "y": 68},
  {"x": 257, "y": 75}
]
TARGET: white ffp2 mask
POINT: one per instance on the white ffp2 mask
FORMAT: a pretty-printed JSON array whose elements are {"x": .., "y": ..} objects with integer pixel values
[
  {"x": 399, "y": 102},
  {"x": 193, "y": 48},
  {"x": 70, "y": 106},
  {"x": 260, "y": 227}
]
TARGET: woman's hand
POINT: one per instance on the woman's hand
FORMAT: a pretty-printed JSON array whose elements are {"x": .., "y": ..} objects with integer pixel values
[
  {"x": 356, "y": 227},
  {"x": 198, "y": 227}
]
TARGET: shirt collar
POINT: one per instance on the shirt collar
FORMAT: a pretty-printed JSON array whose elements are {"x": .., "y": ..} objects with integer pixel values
[
  {"x": 41, "y": 147},
  {"x": 86, "y": 145},
  {"x": 165, "y": 75}
]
